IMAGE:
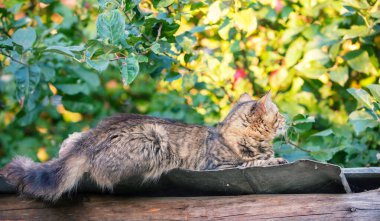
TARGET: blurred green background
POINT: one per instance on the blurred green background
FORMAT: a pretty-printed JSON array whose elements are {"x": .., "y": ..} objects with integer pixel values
[{"x": 67, "y": 64}]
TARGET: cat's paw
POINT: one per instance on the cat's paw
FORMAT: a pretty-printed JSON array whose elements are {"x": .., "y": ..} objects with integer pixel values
[
  {"x": 279, "y": 161},
  {"x": 276, "y": 161}
]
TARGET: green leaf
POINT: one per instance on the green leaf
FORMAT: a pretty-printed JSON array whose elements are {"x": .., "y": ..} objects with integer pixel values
[
  {"x": 90, "y": 78},
  {"x": 359, "y": 4},
  {"x": 78, "y": 106},
  {"x": 22, "y": 82},
  {"x": 71, "y": 89},
  {"x": 131, "y": 4},
  {"x": 246, "y": 20},
  {"x": 25, "y": 37},
  {"x": 375, "y": 14},
  {"x": 355, "y": 31},
  {"x": 187, "y": 44},
  {"x": 48, "y": 73},
  {"x": 362, "y": 96},
  {"x": 129, "y": 70},
  {"x": 224, "y": 29},
  {"x": 312, "y": 69},
  {"x": 359, "y": 61},
  {"x": 5, "y": 42},
  {"x": 214, "y": 12},
  {"x": 34, "y": 77},
  {"x": 168, "y": 30},
  {"x": 172, "y": 76},
  {"x": 339, "y": 75},
  {"x": 109, "y": 4},
  {"x": 375, "y": 91},
  {"x": 155, "y": 47},
  {"x": 164, "y": 3},
  {"x": 99, "y": 65},
  {"x": 30, "y": 116},
  {"x": 60, "y": 50},
  {"x": 371, "y": 2},
  {"x": 47, "y": 1},
  {"x": 316, "y": 55},
  {"x": 348, "y": 10},
  {"x": 362, "y": 120},
  {"x": 294, "y": 52},
  {"x": 110, "y": 25},
  {"x": 26, "y": 80},
  {"x": 324, "y": 133},
  {"x": 142, "y": 58},
  {"x": 323, "y": 155},
  {"x": 302, "y": 123}
]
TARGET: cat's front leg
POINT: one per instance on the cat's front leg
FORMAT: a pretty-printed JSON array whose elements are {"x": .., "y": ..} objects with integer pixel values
[{"x": 268, "y": 162}]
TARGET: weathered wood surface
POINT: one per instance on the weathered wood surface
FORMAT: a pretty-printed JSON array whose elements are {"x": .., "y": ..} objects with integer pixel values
[{"x": 358, "y": 206}]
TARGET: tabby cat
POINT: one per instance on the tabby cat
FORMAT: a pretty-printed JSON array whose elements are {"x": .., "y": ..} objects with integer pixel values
[{"x": 126, "y": 145}]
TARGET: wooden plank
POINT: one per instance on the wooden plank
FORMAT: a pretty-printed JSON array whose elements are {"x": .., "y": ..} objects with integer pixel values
[{"x": 358, "y": 206}]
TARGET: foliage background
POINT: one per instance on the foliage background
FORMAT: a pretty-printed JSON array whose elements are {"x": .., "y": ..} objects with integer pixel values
[{"x": 67, "y": 64}]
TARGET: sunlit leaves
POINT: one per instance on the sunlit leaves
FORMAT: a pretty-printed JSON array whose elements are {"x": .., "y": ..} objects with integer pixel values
[
  {"x": 339, "y": 75},
  {"x": 359, "y": 60},
  {"x": 110, "y": 26},
  {"x": 313, "y": 63},
  {"x": 362, "y": 96},
  {"x": 294, "y": 52},
  {"x": 225, "y": 28},
  {"x": 162, "y": 3},
  {"x": 375, "y": 91},
  {"x": 215, "y": 12},
  {"x": 246, "y": 21},
  {"x": 25, "y": 37},
  {"x": 355, "y": 31},
  {"x": 129, "y": 70}
]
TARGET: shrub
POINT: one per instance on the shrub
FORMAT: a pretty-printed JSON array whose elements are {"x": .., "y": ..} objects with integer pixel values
[{"x": 66, "y": 66}]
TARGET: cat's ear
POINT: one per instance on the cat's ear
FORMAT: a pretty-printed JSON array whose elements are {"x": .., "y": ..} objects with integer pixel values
[
  {"x": 265, "y": 103},
  {"x": 244, "y": 98}
]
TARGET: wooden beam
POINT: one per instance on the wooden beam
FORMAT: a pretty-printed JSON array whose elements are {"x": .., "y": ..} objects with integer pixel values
[{"x": 361, "y": 206}]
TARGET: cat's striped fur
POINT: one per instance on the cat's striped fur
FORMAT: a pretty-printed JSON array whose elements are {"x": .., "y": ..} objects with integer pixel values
[{"x": 126, "y": 145}]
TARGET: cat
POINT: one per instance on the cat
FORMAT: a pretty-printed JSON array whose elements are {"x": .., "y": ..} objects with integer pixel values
[{"x": 126, "y": 145}]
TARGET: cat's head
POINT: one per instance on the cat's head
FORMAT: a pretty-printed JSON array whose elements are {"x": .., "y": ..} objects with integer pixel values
[{"x": 252, "y": 122}]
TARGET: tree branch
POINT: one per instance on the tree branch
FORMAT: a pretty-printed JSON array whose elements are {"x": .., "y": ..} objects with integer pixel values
[
  {"x": 159, "y": 32},
  {"x": 12, "y": 58}
]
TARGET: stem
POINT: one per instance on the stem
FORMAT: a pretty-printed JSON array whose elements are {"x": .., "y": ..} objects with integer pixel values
[
  {"x": 5, "y": 32},
  {"x": 287, "y": 141},
  {"x": 12, "y": 58},
  {"x": 228, "y": 95},
  {"x": 159, "y": 32}
]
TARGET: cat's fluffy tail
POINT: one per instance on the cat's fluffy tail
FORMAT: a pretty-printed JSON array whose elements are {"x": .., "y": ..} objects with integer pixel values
[{"x": 45, "y": 180}]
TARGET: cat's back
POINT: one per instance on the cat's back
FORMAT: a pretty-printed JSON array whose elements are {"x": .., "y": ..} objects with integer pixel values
[
  {"x": 136, "y": 123},
  {"x": 131, "y": 120},
  {"x": 135, "y": 130}
]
